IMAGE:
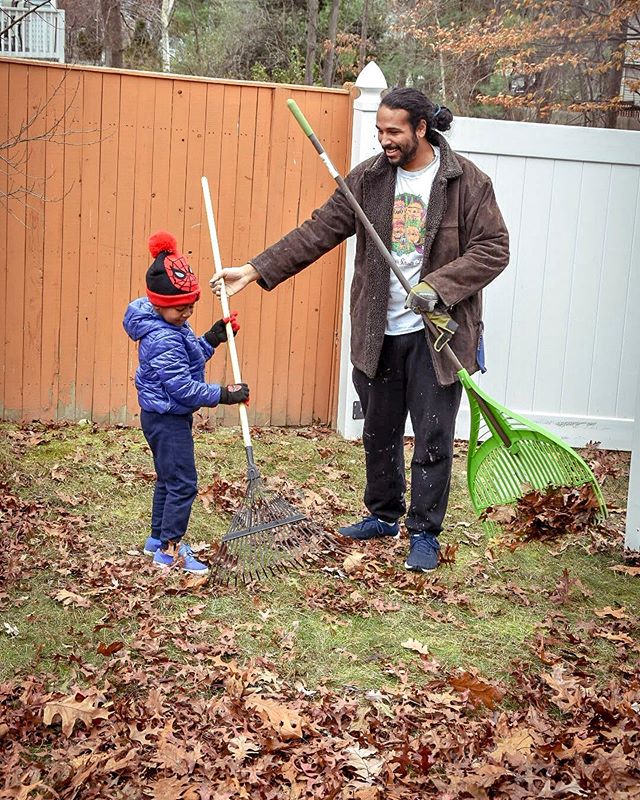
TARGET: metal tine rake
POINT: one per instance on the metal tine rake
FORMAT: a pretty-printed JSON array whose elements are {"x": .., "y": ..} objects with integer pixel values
[
  {"x": 508, "y": 455},
  {"x": 267, "y": 535}
]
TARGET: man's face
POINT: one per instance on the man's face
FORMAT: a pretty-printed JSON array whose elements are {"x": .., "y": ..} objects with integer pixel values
[
  {"x": 403, "y": 146},
  {"x": 175, "y": 315}
]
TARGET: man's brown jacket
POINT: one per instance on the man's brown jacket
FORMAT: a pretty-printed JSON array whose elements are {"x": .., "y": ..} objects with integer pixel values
[{"x": 466, "y": 247}]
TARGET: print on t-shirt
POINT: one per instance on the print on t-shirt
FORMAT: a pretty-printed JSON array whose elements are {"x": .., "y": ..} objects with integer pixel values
[{"x": 409, "y": 225}]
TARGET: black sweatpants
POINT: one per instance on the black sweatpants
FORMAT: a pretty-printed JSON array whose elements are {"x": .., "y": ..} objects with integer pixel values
[{"x": 406, "y": 383}]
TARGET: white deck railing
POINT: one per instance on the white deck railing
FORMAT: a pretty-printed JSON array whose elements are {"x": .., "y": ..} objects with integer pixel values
[{"x": 38, "y": 35}]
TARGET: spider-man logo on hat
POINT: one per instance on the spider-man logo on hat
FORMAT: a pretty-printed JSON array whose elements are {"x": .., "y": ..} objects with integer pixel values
[{"x": 170, "y": 280}]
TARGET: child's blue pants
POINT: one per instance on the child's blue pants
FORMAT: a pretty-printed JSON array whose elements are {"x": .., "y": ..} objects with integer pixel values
[{"x": 171, "y": 442}]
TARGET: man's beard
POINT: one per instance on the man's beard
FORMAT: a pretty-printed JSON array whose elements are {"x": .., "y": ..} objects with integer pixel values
[{"x": 406, "y": 152}]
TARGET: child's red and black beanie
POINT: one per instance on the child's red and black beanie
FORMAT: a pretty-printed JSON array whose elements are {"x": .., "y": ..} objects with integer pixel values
[{"x": 170, "y": 281}]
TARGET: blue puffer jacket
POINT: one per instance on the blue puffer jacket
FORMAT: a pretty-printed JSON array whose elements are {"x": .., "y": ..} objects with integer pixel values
[{"x": 170, "y": 378}]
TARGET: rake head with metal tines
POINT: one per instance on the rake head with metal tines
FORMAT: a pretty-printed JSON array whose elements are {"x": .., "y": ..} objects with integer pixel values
[{"x": 268, "y": 536}]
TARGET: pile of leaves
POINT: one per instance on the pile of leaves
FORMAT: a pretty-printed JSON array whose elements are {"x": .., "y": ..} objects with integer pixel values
[
  {"x": 157, "y": 699},
  {"x": 558, "y": 511}
]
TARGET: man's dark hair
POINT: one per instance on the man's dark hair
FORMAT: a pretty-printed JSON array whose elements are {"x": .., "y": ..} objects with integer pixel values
[{"x": 419, "y": 107}]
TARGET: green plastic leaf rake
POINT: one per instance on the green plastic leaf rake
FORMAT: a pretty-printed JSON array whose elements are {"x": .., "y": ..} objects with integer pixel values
[{"x": 508, "y": 455}]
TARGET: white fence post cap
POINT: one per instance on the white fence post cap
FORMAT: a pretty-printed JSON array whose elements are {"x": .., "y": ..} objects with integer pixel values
[{"x": 371, "y": 82}]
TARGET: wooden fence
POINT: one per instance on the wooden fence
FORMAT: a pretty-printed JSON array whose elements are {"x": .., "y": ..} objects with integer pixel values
[{"x": 110, "y": 156}]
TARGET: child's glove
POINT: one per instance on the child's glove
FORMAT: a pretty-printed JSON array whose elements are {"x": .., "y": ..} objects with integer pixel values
[
  {"x": 234, "y": 393},
  {"x": 218, "y": 331}
]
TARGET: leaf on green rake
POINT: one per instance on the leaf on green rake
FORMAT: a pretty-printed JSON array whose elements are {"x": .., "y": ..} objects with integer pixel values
[{"x": 547, "y": 515}]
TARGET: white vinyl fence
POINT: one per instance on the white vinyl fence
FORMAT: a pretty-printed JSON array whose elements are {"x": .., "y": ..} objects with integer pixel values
[{"x": 562, "y": 323}]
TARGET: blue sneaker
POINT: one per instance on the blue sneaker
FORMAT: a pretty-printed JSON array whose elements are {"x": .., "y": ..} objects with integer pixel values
[
  {"x": 151, "y": 545},
  {"x": 423, "y": 552},
  {"x": 164, "y": 559},
  {"x": 371, "y": 528}
]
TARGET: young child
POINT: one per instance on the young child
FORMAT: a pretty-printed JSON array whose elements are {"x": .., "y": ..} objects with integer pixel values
[{"x": 171, "y": 386}]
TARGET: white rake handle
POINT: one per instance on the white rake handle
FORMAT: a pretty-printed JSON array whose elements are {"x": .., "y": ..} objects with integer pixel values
[{"x": 224, "y": 301}]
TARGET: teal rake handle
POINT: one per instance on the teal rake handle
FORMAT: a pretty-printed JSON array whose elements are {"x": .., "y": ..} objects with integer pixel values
[{"x": 373, "y": 233}]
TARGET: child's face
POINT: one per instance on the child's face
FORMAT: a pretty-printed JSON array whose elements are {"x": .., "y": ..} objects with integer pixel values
[{"x": 175, "y": 315}]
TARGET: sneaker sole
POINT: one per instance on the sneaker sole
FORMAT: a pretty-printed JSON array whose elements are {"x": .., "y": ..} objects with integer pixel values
[
  {"x": 369, "y": 538},
  {"x": 167, "y": 567},
  {"x": 149, "y": 552},
  {"x": 419, "y": 569}
]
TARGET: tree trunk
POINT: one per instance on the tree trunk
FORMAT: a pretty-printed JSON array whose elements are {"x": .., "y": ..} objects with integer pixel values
[
  {"x": 312, "y": 40},
  {"x": 443, "y": 83},
  {"x": 613, "y": 77},
  {"x": 327, "y": 69},
  {"x": 363, "y": 34},
  {"x": 166, "y": 10},
  {"x": 113, "y": 38}
]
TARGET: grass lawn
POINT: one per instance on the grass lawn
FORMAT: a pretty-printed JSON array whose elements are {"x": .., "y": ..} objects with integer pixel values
[{"x": 510, "y": 672}]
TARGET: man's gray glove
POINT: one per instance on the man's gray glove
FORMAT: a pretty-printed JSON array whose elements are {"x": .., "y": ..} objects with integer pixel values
[{"x": 422, "y": 298}]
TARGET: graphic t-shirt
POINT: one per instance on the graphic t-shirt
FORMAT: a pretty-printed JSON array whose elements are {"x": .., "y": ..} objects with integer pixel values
[{"x": 407, "y": 242}]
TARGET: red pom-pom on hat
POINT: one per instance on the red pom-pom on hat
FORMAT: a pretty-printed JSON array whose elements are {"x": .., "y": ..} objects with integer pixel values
[{"x": 162, "y": 242}]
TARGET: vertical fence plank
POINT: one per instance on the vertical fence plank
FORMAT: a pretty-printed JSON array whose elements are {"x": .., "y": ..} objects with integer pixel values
[
  {"x": 93, "y": 137},
  {"x": 304, "y": 309},
  {"x": 105, "y": 311},
  {"x": 130, "y": 89},
  {"x": 248, "y": 303},
  {"x": 52, "y": 258},
  {"x": 4, "y": 220},
  {"x": 160, "y": 189},
  {"x": 145, "y": 145},
  {"x": 34, "y": 244},
  {"x": 71, "y": 228},
  {"x": 16, "y": 234},
  {"x": 337, "y": 112},
  {"x": 197, "y": 99},
  {"x": 212, "y": 147},
  {"x": 275, "y": 332}
]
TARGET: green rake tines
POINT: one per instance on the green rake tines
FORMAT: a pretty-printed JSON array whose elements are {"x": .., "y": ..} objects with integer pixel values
[{"x": 508, "y": 455}]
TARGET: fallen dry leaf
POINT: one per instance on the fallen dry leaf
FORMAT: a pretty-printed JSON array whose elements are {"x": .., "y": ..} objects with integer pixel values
[
  {"x": 70, "y": 710},
  {"x": 414, "y": 644},
  {"x": 72, "y": 599},
  {"x": 286, "y": 722},
  {"x": 364, "y": 761},
  {"x": 607, "y": 611},
  {"x": 353, "y": 563},
  {"x": 480, "y": 691},
  {"x": 241, "y": 747},
  {"x": 625, "y": 569}
]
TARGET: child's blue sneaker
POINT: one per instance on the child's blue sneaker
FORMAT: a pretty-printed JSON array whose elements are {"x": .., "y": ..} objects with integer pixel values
[
  {"x": 165, "y": 559},
  {"x": 371, "y": 528},
  {"x": 151, "y": 545}
]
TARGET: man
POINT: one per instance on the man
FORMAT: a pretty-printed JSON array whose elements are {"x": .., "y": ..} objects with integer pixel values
[{"x": 417, "y": 181}]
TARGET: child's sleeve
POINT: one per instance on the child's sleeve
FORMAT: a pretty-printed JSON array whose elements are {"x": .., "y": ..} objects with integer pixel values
[
  {"x": 206, "y": 349},
  {"x": 172, "y": 367}
]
